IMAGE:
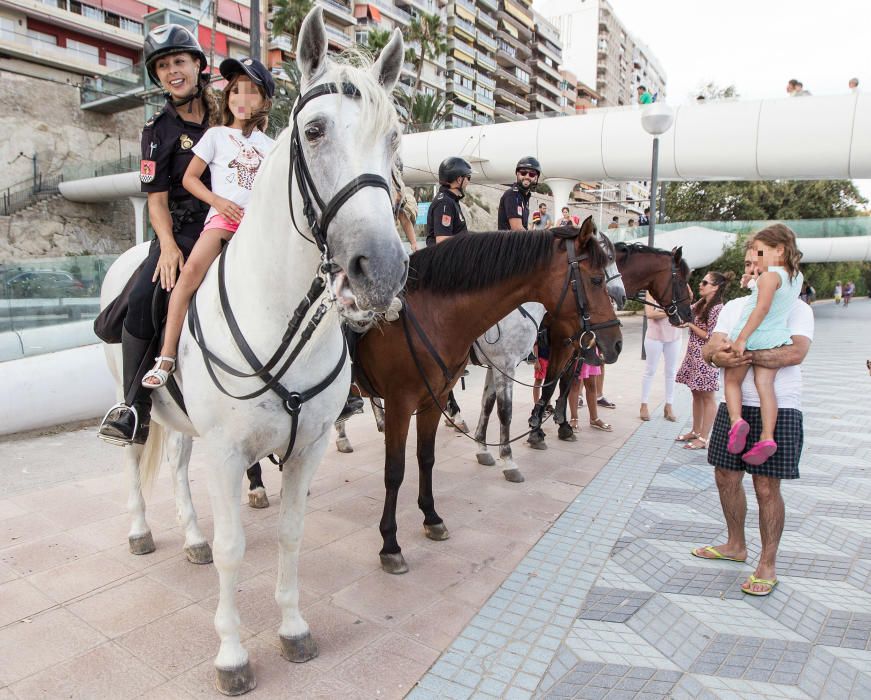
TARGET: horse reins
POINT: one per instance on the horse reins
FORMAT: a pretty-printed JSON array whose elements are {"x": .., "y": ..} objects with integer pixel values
[
  {"x": 678, "y": 287},
  {"x": 291, "y": 401}
]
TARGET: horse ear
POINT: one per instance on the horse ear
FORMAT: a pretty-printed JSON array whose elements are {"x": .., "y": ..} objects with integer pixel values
[
  {"x": 588, "y": 229},
  {"x": 677, "y": 254},
  {"x": 311, "y": 49},
  {"x": 389, "y": 63}
]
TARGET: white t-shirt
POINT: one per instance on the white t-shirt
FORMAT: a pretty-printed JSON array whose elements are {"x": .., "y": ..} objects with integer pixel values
[
  {"x": 787, "y": 382},
  {"x": 233, "y": 161}
]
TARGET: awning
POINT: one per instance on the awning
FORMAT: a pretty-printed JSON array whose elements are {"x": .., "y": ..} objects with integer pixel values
[
  {"x": 234, "y": 12},
  {"x": 126, "y": 8},
  {"x": 205, "y": 37},
  {"x": 361, "y": 11}
]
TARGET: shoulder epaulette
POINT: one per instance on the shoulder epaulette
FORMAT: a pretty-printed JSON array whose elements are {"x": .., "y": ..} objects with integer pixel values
[{"x": 154, "y": 117}]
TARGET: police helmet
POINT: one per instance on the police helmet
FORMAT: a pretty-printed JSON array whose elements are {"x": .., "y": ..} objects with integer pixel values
[
  {"x": 452, "y": 168},
  {"x": 168, "y": 39},
  {"x": 528, "y": 163}
]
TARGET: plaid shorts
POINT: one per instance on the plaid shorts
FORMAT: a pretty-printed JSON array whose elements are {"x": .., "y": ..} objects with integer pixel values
[{"x": 789, "y": 436}]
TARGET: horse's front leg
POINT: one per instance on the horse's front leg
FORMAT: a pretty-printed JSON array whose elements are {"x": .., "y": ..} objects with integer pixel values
[
  {"x": 234, "y": 673},
  {"x": 139, "y": 537},
  {"x": 504, "y": 399},
  {"x": 343, "y": 444},
  {"x": 257, "y": 497},
  {"x": 488, "y": 400},
  {"x": 177, "y": 452},
  {"x": 297, "y": 643},
  {"x": 427, "y": 425},
  {"x": 561, "y": 413},
  {"x": 395, "y": 436}
]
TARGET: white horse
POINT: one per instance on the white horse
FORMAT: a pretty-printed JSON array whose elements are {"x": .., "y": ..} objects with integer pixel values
[
  {"x": 347, "y": 134},
  {"x": 502, "y": 348}
]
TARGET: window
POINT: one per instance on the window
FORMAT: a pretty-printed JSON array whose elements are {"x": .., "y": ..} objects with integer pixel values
[
  {"x": 92, "y": 13},
  {"x": 362, "y": 37},
  {"x": 83, "y": 51},
  {"x": 118, "y": 62},
  {"x": 42, "y": 38},
  {"x": 7, "y": 29},
  {"x": 130, "y": 25}
]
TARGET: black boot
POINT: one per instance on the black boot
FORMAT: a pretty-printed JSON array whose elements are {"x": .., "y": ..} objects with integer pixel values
[
  {"x": 353, "y": 406},
  {"x": 128, "y": 422}
]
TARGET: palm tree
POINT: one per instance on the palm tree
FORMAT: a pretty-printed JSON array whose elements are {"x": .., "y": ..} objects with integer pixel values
[
  {"x": 287, "y": 16},
  {"x": 377, "y": 39},
  {"x": 421, "y": 110},
  {"x": 285, "y": 95},
  {"x": 426, "y": 30}
]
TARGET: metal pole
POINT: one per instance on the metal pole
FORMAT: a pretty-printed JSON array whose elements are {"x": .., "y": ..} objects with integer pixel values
[
  {"x": 651, "y": 226},
  {"x": 212, "y": 41},
  {"x": 255, "y": 29}
]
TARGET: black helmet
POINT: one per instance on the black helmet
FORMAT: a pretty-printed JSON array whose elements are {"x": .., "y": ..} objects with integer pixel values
[
  {"x": 169, "y": 39},
  {"x": 254, "y": 69},
  {"x": 529, "y": 163},
  {"x": 452, "y": 168}
]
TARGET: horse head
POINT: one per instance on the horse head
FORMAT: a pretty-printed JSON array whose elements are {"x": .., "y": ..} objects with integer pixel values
[
  {"x": 664, "y": 274},
  {"x": 347, "y": 136},
  {"x": 587, "y": 314},
  {"x": 681, "y": 299}
]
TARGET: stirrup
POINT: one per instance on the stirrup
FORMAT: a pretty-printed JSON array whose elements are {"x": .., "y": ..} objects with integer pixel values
[
  {"x": 113, "y": 440},
  {"x": 158, "y": 372}
]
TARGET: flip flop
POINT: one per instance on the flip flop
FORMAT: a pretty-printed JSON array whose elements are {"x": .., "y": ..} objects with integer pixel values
[
  {"x": 760, "y": 452},
  {"x": 686, "y": 437},
  {"x": 771, "y": 583},
  {"x": 716, "y": 553},
  {"x": 738, "y": 437}
]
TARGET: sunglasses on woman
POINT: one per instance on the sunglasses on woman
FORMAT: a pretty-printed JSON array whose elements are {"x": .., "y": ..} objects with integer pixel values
[{"x": 705, "y": 283}]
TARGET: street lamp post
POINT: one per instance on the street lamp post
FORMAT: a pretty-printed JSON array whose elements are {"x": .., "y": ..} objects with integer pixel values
[{"x": 656, "y": 118}]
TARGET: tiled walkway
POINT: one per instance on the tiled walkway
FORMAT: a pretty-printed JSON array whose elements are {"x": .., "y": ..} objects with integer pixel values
[{"x": 610, "y": 603}]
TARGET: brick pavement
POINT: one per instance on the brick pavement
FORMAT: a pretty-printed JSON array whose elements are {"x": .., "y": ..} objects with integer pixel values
[{"x": 610, "y": 603}]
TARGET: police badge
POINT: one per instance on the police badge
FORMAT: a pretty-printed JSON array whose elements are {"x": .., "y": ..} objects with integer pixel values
[{"x": 186, "y": 142}]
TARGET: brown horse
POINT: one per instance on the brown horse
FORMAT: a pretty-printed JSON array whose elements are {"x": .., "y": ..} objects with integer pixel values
[
  {"x": 455, "y": 291},
  {"x": 665, "y": 275}
]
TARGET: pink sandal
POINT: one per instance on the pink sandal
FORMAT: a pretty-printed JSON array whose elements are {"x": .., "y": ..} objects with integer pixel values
[
  {"x": 738, "y": 437},
  {"x": 760, "y": 452}
]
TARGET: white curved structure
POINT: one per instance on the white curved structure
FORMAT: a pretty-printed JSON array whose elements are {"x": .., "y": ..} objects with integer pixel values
[
  {"x": 797, "y": 138},
  {"x": 107, "y": 188}
]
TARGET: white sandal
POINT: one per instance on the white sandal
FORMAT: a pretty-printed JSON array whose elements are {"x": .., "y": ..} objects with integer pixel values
[{"x": 158, "y": 373}]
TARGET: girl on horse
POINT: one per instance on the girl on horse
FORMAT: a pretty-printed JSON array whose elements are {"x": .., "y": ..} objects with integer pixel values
[
  {"x": 233, "y": 153},
  {"x": 175, "y": 61}
]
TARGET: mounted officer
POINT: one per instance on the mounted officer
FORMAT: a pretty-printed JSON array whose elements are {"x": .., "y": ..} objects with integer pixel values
[
  {"x": 445, "y": 218},
  {"x": 514, "y": 205},
  {"x": 175, "y": 61}
]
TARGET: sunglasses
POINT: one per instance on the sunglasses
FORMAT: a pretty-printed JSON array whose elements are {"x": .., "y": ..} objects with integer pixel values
[
  {"x": 705, "y": 283},
  {"x": 527, "y": 173}
]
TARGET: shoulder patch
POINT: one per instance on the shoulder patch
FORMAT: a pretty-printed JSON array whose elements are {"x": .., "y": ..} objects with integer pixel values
[{"x": 446, "y": 219}]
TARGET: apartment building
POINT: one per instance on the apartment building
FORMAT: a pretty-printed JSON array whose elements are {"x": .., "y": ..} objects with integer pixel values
[
  {"x": 546, "y": 94},
  {"x": 471, "y": 61},
  {"x": 514, "y": 56}
]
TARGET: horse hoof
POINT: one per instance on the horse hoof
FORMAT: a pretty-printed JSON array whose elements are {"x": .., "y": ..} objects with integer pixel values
[
  {"x": 299, "y": 649},
  {"x": 436, "y": 532},
  {"x": 199, "y": 553},
  {"x": 485, "y": 459},
  {"x": 344, "y": 446},
  {"x": 513, "y": 475},
  {"x": 142, "y": 544},
  {"x": 537, "y": 445},
  {"x": 566, "y": 433},
  {"x": 393, "y": 563},
  {"x": 258, "y": 498},
  {"x": 235, "y": 681}
]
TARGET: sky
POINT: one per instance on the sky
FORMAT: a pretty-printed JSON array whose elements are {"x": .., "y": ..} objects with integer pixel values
[{"x": 755, "y": 45}]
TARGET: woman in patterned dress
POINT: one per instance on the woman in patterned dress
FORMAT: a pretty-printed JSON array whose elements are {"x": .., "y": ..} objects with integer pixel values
[{"x": 702, "y": 379}]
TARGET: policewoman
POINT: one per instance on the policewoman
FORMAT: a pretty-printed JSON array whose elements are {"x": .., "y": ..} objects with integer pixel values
[
  {"x": 514, "y": 206},
  {"x": 445, "y": 218},
  {"x": 175, "y": 61}
]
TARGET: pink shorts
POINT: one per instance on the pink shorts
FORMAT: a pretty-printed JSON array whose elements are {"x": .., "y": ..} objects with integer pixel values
[{"x": 218, "y": 221}]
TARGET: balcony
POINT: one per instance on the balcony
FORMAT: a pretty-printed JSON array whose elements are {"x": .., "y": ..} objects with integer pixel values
[
  {"x": 504, "y": 114},
  {"x": 492, "y": 5},
  {"x": 458, "y": 45},
  {"x": 483, "y": 119},
  {"x": 550, "y": 89},
  {"x": 462, "y": 68},
  {"x": 487, "y": 21},
  {"x": 338, "y": 11},
  {"x": 283, "y": 42},
  {"x": 392, "y": 11},
  {"x": 520, "y": 48},
  {"x": 509, "y": 62},
  {"x": 488, "y": 42},
  {"x": 485, "y": 100},
  {"x": 519, "y": 14},
  {"x": 468, "y": 5},
  {"x": 428, "y": 6},
  {"x": 546, "y": 49},
  {"x": 338, "y": 37},
  {"x": 486, "y": 62},
  {"x": 502, "y": 96},
  {"x": 548, "y": 104},
  {"x": 463, "y": 27},
  {"x": 462, "y": 112},
  {"x": 543, "y": 67},
  {"x": 485, "y": 81},
  {"x": 458, "y": 88}
]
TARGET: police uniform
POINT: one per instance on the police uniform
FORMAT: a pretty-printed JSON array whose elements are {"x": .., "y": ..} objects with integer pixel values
[
  {"x": 513, "y": 205},
  {"x": 444, "y": 218},
  {"x": 167, "y": 143}
]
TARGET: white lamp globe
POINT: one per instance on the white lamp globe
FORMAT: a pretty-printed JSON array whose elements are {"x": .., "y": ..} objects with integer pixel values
[{"x": 657, "y": 118}]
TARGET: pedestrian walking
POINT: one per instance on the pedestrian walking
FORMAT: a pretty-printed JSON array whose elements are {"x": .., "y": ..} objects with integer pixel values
[
  {"x": 838, "y": 292},
  {"x": 849, "y": 291},
  {"x": 729, "y": 469},
  {"x": 661, "y": 340},
  {"x": 762, "y": 326},
  {"x": 702, "y": 379},
  {"x": 513, "y": 212}
]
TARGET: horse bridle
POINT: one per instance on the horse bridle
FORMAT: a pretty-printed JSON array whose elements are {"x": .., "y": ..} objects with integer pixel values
[
  {"x": 292, "y": 401},
  {"x": 677, "y": 286}
]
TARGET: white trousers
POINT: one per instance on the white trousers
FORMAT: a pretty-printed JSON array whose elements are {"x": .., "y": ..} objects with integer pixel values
[{"x": 671, "y": 352}]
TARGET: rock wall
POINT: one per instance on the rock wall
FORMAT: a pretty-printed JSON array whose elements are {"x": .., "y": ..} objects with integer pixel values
[
  {"x": 482, "y": 203},
  {"x": 44, "y": 117},
  {"x": 55, "y": 227}
]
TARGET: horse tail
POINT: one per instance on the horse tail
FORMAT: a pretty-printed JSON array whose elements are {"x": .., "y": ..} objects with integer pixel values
[{"x": 152, "y": 456}]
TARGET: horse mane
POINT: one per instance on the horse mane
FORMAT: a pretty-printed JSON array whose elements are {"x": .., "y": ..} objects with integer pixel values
[
  {"x": 475, "y": 261},
  {"x": 630, "y": 248}
]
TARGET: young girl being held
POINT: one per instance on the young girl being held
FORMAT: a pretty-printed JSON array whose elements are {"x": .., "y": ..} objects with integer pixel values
[
  {"x": 763, "y": 325},
  {"x": 233, "y": 153}
]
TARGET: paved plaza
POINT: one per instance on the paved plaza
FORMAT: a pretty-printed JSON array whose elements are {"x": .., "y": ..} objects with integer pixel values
[{"x": 576, "y": 583}]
